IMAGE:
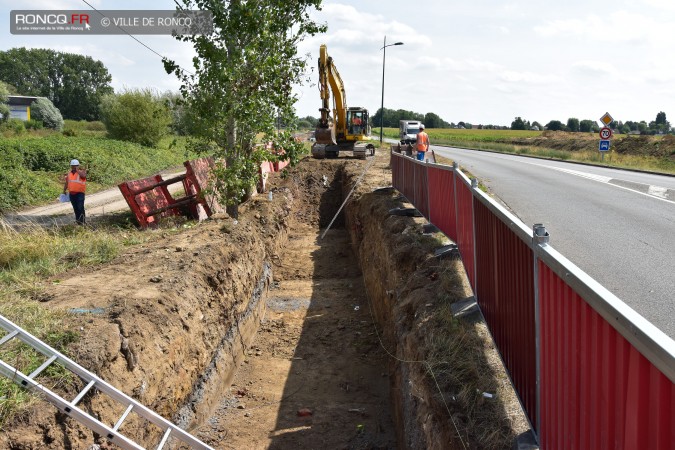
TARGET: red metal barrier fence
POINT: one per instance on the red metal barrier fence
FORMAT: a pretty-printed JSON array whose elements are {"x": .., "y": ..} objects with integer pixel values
[
  {"x": 591, "y": 373},
  {"x": 420, "y": 189},
  {"x": 597, "y": 389},
  {"x": 465, "y": 225},
  {"x": 442, "y": 196},
  {"x": 505, "y": 294}
]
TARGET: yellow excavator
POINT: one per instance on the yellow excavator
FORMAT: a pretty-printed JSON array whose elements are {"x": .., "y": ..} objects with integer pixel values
[{"x": 347, "y": 127}]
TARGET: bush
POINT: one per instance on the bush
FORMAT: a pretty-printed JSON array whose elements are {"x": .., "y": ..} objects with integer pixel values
[
  {"x": 33, "y": 124},
  {"x": 83, "y": 125},
  {"x": 137, "y": 116},
  {"x": 44, "y": 110},
  {"x": 15, "y": 125},
  {"x": 4, "y": 109}
]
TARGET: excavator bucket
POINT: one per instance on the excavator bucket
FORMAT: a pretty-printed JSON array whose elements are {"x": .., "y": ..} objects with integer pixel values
[
  {"x": 326, "y": 144},
  {"x": 325, "y": 136}
]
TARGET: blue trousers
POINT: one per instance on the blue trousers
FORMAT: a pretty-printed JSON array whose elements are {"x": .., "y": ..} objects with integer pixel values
[
  {"x": 77, "y": 200},
  {"x": 420, "y": 156}
]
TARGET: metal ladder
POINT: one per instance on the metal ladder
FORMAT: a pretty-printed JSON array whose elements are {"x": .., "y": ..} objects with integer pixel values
[{"x": 92, "y": 381}]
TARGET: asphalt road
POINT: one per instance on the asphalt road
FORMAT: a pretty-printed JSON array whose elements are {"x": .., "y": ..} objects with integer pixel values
[{"x": 618, "y": 226}]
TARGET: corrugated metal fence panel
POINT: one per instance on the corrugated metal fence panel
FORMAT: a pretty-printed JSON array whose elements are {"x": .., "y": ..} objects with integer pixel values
[
  {"x": 421, "y": 189},
  {"x": 409, "y": 187},
  {"x": 465, "y": 228},
  {"x": 396, "y": 171},
  {"x": 442, "y": 201},
  {"x": 505, "y": 293},
  {"x": 597, "y": 390}
]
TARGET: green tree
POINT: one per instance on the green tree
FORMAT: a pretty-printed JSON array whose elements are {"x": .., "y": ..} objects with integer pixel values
[
  {"x": 573, "y": 124},
  {"x": 538, "y": 125},
  {"x": 44, "y": 110},
  {"x": 661, "y": 118},
  {"x": 74, "y": 83},
  {"x": 661, "y": 123},
  {"x": 4, "y": 109},
  {"x": 182, "y": 119},
  {"x": 433, "y": 120},
  {"x": 555, "y": 125},
  {"x": 242, "y": 84},
  {"x": 136, "y": 115},
  {"x": 518, "y": 124},
  {"x": 313, "y": 121},
  {"x": 586, "y": 126}
]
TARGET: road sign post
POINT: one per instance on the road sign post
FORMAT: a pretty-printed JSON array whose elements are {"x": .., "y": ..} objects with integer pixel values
[{"x": 605, "y": 135}]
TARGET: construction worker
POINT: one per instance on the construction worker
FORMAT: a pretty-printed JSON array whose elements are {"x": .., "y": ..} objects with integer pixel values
[
  {"x": 422, "y": 143},
  {"x": 76, "y": 185}
]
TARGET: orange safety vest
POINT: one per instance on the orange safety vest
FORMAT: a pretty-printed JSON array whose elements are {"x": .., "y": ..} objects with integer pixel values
[
  {"x": 75, "y": 183},
  {"x": 422, "y": 141}
]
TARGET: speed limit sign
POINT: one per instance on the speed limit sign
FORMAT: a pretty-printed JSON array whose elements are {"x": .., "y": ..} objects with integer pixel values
[{"x": 605, "y": 133}]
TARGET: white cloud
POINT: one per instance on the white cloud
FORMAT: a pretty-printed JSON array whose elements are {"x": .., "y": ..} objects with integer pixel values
[
  {"x": 593, "y": 68},
  {"x": 618, "y": 27},
  {"x": 530, "y": 78}
]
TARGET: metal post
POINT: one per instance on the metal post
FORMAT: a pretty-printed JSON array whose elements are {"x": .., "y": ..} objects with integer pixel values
[
  {"x": 384, "y": 56},
  {"x": 426, "y": 167},
  {"x": 540, "y": 238},
  {"x": 455, "y": 166},
  {"x": 474, "y": 185}
]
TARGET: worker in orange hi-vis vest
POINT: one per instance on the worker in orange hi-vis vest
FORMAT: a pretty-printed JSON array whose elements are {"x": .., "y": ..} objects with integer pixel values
[
  {"x": 76, "y": 185},
  {"x": 422, "y": 143}
]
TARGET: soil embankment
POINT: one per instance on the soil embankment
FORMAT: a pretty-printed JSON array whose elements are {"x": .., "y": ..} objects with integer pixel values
[
  {"x": 641, "y": 145},
  {"x": 258, "y": 334}
]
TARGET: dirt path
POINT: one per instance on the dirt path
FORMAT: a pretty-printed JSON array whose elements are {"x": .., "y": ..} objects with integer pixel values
[
  {"x": 96, "y": 205},
  {"x": 316, "y": 375}
]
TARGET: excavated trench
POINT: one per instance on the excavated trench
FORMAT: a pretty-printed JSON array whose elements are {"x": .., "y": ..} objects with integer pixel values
[{"x": 257, "y": 333}]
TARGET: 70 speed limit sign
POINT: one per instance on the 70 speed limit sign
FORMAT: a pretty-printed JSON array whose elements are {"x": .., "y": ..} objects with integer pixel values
[{"x": 605, "y": 133}]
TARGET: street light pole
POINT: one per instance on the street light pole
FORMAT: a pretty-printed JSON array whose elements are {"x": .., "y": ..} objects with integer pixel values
[{"x": 384, "y": 57}]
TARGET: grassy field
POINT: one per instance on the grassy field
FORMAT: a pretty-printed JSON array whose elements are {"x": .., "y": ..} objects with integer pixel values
[
  {"x": 564, "y": 146},
  {"x": 32, "y": 165}
]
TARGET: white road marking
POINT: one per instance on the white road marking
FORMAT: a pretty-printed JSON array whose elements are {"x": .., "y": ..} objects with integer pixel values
[{"x": 656, "y": 192}]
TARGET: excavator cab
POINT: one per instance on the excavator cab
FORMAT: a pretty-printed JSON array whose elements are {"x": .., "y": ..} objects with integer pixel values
[{"x": 357, "y": 120}]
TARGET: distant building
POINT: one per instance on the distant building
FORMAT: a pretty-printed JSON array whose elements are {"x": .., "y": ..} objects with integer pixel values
[{"x": 19, "y": 106}]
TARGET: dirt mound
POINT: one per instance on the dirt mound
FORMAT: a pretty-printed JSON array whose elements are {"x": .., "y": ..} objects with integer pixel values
[
  {"x": 642, "y": 145},
  {"x": 176, "y": 315}
]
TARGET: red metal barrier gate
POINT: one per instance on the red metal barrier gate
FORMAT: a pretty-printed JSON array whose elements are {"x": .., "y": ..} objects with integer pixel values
[{"x": 590, "y": 372}]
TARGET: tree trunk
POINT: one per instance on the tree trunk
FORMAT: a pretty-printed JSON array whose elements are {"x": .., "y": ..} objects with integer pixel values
[{"x": 232, "y": 207}]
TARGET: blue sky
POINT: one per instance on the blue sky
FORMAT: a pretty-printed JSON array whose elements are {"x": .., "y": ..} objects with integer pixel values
[{"x": 484, "y": 61}]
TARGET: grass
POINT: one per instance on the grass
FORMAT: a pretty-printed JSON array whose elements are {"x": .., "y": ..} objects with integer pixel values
[
  {"x": 464, "y": 366},
  {"x": 499, "y": 141},
  {"x": 32, "y": 167},
  {"x": 27, "y": 259}
]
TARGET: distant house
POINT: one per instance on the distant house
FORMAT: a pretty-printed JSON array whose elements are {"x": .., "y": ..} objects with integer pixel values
[{"x": 19, "y": 106}]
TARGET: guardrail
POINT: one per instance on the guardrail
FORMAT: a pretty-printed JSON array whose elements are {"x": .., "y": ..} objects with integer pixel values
[{"x": 590, "y": 372}]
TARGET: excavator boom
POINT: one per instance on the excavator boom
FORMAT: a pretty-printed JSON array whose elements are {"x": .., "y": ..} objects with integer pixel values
[{"x": 345, "y": 126}]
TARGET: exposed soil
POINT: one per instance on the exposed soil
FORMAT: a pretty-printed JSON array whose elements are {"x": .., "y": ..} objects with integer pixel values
[
  {"x": 315, "y": 376},
  {"x": 257, "y": 333}
]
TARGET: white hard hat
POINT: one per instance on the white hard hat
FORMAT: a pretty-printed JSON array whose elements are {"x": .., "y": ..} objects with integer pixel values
[
  {"x": 74, "y": 162},
  {"x": 421, "y": 126}
]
